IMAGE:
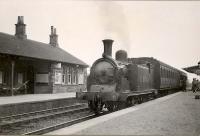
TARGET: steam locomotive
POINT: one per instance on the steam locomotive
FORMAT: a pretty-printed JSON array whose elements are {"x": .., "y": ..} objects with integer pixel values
[{"x": 115, "y": 84}]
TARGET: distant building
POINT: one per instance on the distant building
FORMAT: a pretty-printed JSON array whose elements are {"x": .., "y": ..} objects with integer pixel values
[
  {"x": 30, "y": 67},
  {"x": 193, "y": 69}
]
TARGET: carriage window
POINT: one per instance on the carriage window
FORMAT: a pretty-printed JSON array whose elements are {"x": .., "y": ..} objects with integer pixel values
[
  {"x": 1, "y": 77},
  {"x": 164, "y": 72},
  {"x": 149, "y": 67}
]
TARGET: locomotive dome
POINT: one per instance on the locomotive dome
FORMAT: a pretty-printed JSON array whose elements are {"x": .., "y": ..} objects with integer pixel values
[{"x": 121, "y": 55}]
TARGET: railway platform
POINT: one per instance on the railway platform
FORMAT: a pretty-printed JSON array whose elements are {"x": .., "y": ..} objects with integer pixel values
[
  {"x": 34, "y": 97},
  {"x": 20, "y": 104},
  {"x": 175, "y": 114}
]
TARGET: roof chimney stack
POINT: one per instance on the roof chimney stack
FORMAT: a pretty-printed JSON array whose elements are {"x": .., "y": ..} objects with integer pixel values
[
  {"x": 53, "y": 37},
  {"x": 107, "y": 47},
  {"x": 20, "y": 31}
]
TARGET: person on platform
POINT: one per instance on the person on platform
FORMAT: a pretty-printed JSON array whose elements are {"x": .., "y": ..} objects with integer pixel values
[
  {"x": 197, "y": 86},
  {"x": 194, "y": 84}
]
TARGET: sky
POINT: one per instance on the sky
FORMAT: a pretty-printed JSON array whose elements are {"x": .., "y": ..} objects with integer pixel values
[{"x": 166, "y": 30}]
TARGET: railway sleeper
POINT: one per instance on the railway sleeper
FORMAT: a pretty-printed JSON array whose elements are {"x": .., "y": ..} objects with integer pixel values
[{"x": 37, "y": 113}]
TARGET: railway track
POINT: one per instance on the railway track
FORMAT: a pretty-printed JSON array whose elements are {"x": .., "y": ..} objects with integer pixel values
[
  {"x": 61, "y": 125},
  {"x": 41, "y": 122}
]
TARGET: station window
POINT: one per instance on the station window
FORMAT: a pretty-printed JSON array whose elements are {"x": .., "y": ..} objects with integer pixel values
[
  {"x": 69, "y": 75},
  {"x": 58, "y": 77},
  {"x": 74, "y": 76},
  {"x": 80, "y": 76},
  {"x": 20, "y": 78},
  {"x": 64, "y": 72},
  {"x": 63, "y": 79}
]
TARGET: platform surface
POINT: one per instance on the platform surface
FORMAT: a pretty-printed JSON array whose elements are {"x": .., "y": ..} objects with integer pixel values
[
  {"x": 34, "y": 98},
  {"x": 175, "y": 114}
]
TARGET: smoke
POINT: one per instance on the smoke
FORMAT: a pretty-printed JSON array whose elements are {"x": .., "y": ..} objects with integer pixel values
[{"x": 114, "y": 23}]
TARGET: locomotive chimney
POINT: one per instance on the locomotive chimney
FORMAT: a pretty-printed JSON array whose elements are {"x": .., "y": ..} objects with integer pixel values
[{"x": 107, "y": 47}]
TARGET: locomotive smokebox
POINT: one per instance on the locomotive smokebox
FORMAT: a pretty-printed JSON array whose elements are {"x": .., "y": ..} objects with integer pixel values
[
  {"x": 121, "y": 55},
  {"x": 107, "y": 47}
]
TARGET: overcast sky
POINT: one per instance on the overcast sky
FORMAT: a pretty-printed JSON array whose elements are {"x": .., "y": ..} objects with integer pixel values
[{"x": 166, "y": 30}]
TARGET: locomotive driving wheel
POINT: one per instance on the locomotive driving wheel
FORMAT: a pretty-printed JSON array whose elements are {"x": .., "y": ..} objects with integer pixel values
[
  {"x": 96, "y": 105},
  {"x": 131, "y": 101},
  {"x": 112, "y": 106},
  {"x": 99, "y": 107}
]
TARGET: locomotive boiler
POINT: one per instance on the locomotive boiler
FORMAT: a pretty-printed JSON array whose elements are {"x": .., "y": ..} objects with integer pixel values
[{"x": 122, "y": 82}]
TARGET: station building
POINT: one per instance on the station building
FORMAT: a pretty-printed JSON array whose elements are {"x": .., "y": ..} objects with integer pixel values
[{"x": 32, "y": 67}]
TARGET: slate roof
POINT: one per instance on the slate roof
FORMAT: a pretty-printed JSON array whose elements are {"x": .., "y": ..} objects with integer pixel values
[{"x": 12, "y": 45}]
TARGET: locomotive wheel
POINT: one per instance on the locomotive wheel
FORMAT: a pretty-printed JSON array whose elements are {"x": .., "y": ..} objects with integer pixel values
[
  {"x": 90, "y": 105},
  {"x": 145, "y": 98},
  {"x": 98, "y": 109},
  {"x": 121, "y": 105},
  {"x": 95, "y": 106},
  {"x": 140, "y": 99},
  {"x": 131, "y": 102},
  {"x": 112, "y": 106}
]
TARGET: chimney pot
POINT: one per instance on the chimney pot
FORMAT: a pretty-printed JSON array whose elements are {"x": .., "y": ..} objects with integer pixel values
[
  {"x": 22, "y": 19},
  {"x": 20, "y": 28},
  {"x": 51, "y": 29},
  {"x": 53, "y": 37}
]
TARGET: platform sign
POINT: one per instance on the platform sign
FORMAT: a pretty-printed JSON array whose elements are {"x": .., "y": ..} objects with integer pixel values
[
  {"x": 56, "y": 65},
  {"x": 42, "y": 78}
]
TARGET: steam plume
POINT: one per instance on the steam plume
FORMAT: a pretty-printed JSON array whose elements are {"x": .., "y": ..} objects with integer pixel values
[{"x": 114, "y": 22}]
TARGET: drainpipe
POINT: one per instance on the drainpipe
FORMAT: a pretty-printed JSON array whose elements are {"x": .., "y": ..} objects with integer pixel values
[{"x": 12, "y": 76}]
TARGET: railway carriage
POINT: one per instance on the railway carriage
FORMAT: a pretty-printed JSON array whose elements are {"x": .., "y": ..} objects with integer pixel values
[{"x": 166, "y": 78}]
